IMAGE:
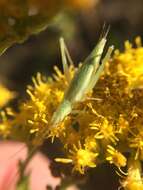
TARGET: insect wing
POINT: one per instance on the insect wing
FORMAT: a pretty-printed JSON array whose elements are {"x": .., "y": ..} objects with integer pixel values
[{"x": 79, "y": 84}]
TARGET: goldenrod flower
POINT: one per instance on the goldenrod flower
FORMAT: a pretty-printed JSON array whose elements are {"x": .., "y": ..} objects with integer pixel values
[
  {"x": 34, "y": 115},
  {"x": 81, "y": 158},
  {"x": 115, "y": 157},
  {"x": 134, "y": 180},
  {"x": 129, "y": 63},
  {"x": 104, "y": 131},
  {"x": 5, "y": 95},
  {"x": 136, "y": 142}
]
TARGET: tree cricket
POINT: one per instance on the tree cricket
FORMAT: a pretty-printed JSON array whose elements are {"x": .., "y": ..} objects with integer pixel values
[{"x": 84, "y": 79}]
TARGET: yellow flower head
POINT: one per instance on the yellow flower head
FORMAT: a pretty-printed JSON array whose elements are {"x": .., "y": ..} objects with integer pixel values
[
  {"x": 81, "y": 158},
  {"x": 5, "y": 95},
  {"x": 136, "y": 142},
  {"x": 115, "y": 157},
  {"x": 133, "y": 181},
  {"x": 104, "y": 131}
]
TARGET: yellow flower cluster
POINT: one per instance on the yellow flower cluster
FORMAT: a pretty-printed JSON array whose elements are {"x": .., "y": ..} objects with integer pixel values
[
  {"x": 102, "y": 128},
  {"x": 130, "y": 59},
  {"x": 34, "y": 114}
]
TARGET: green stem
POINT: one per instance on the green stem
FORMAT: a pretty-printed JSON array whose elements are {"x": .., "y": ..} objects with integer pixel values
[{"x": 23, "y": 164}]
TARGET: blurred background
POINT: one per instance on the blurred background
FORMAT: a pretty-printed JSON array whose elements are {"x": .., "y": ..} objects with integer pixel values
[{"x": 81, "y": 30}]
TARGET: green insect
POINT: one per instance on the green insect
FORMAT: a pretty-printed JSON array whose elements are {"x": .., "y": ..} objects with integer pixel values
[{"x": 84, "y": 79}]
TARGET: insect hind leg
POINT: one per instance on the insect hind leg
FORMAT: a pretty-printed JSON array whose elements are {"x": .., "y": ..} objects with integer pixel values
[
  {"x": 65, "y": 56},
  {"x": 101, "y": 68}
]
